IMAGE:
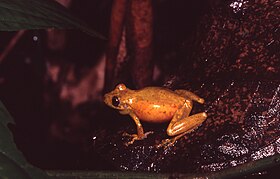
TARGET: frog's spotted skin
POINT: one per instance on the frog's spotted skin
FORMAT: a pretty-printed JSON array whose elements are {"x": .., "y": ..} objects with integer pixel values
[{"x": 156, "y": 104}]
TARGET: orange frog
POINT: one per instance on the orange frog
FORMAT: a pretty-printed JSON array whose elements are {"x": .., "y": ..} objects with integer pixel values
[{"x": 157, "y": 104}]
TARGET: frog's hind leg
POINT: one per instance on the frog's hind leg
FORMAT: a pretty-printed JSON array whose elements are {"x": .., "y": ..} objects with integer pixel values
[
  {"x": 186, "y": 125},
  {"x": 182, "y": 123},
  {"x": 190, "y": 95}
]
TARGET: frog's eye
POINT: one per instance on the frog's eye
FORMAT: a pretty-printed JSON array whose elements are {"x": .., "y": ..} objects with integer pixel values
[{"x": 115, "y": 101}]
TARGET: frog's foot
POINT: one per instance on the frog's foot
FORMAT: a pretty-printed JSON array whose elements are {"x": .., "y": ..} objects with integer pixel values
[
  {"x": 135, "y": 137},
  {"x": 166, "y": 143}
]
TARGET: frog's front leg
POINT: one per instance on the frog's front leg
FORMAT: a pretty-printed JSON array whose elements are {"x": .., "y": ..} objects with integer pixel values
[
  {"x": 182, "y": 123},
  {"x": 140, "y": 132}
]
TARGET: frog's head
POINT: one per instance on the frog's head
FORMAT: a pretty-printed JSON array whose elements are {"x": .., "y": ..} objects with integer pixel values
[{"x": 114, "y": 98}]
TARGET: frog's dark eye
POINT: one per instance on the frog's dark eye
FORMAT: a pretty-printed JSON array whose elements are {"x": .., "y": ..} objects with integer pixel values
[{"x": 115, "y": 101}]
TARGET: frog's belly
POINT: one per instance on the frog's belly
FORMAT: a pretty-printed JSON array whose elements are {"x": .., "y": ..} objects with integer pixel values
[{"x": 154, "y": 112}]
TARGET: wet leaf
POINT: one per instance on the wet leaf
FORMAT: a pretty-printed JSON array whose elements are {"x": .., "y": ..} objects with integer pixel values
[
  {"x": 12, "y": 162},
  {"x": 39, "y": 14}
]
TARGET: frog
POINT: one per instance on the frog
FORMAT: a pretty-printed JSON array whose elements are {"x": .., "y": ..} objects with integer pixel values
[{"x": 157, "y": 105}]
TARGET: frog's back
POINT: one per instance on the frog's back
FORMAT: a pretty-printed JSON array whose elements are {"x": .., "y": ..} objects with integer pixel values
[
  {"x": 158, "y": 94},
  {"x": 155, "y": 104}
]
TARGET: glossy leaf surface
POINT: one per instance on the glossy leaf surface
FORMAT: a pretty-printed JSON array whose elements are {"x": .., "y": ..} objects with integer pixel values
[
  {"x": 39, "y": 14},
  {"x": 12, "y": 162}
]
